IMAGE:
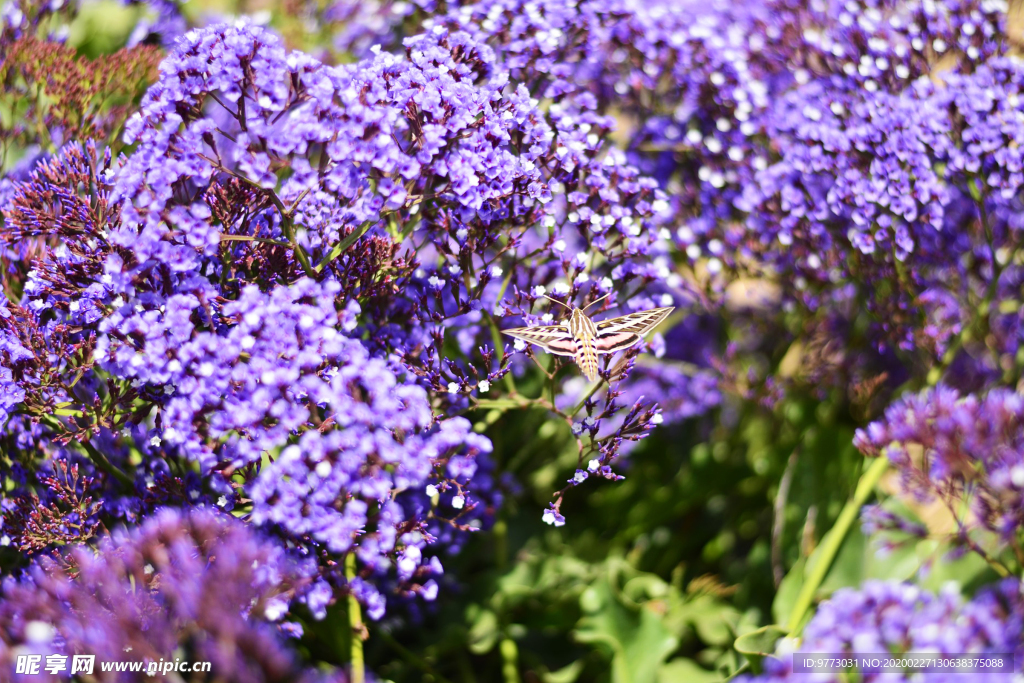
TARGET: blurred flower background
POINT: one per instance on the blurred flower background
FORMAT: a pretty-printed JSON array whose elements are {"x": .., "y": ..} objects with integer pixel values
[{"x": 256, "y": 407}]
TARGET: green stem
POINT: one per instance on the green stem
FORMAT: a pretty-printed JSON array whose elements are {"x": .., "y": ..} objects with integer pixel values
[
  {"x": 590, "y": 393},
  {"x": 833, "y": 541},
  {"x": 355, "y": 620},
  {"x": 341, "y": 246},
  {"x": 510, "y": 657}
]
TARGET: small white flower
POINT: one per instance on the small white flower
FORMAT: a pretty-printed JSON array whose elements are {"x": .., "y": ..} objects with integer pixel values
[
  {"x": 458, "y": 502},
  {"x": 431, "y": 490},
  {"x": 539, "y": 291},
  {"x": 222, "y": 501},
  {"x": 323, "y": 469},
  {"x": 606, "y": 283},
  {"x": 39, "y": 632},
  {"x": 453, "y": 388},
  {"x": 155, "y": 442},
  {"x": 658, "y": 418},
  {"x": 593, "y": 465},
  {"x": 484, "y": 386},
  {"x": 496, "y": 271},
  {"x": 559, "y": 246},
  {"x": 1017, "y": 476},
  {"x": 275, "y": 609},
  {"x": 519, "y": 345},
  {"x": 550, "y": 518},
  {"x": 579, "y": 477}
]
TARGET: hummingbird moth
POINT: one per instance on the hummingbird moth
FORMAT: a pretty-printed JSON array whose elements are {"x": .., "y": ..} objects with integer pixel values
[{"x": 582, "y": 339}]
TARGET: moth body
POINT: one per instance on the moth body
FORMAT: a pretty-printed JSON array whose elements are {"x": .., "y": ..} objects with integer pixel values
[{"x": 584, "y": 331}]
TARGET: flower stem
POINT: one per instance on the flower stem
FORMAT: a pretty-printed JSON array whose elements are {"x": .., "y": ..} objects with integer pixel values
[
  {"x": 355, "y": 620},
  {"x": 833, "y": 541}
]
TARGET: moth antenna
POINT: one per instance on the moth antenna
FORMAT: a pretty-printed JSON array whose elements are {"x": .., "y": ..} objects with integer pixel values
[
  {"x": 569, "y": 308},
  {"x": 596, "y": 301}
]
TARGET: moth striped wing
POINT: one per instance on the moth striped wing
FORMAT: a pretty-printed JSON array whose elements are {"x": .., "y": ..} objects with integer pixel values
[
  {"x": 616, "y": 334},
  {"x": 552, "y": 338}
]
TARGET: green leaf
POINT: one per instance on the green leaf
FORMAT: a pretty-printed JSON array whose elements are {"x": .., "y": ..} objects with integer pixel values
[
  {"x": 785, "y": 597},
  {"x": 637, "y": 638},
  {"x": 567, "y": 674},
  {"x": 483, "y": 634},
  {"x": 714, "y": 620},
  {"x": 681, "y": 670},
  {"x": 759, "y": 643}
]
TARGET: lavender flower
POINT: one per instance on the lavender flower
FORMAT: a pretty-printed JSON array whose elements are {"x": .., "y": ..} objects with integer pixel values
[
  {"x": 958, "y": 448},
  {"x": 203, "y": 582},
  {"x": 895, "y": 618}
]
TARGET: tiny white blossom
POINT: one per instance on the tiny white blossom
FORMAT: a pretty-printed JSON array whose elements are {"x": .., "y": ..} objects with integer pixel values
[
  {"x": 593, "y": 465},
  {"x": 658, "y": 418},
  {"x": 549, "y": 518},
  {"x": 453, "y": 388},
  {"x": 1017, "y": 476},
  {"x": 484, "y": 386},
  {"x": 579, "y": 477},
  {"x": 431, "y": 490},
  {"x": 155, "y": 442},
  {"x": 519, "y": 345},
  {"x": 39, "y": 632},
  {"x": 458, "y": 502}
]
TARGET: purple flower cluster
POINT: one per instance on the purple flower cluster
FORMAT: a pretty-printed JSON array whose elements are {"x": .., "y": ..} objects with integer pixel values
[
  {"x": 255, "y": 307},
  {"x": 284, "y": 298},
  {"x": 202, "y": 582},
  {"x": 898, "y": 618},
  {"x": 959, "y": 449}
]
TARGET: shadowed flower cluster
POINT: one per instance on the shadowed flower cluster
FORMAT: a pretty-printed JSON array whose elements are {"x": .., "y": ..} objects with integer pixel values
[{"x": 172, "y": 586}]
